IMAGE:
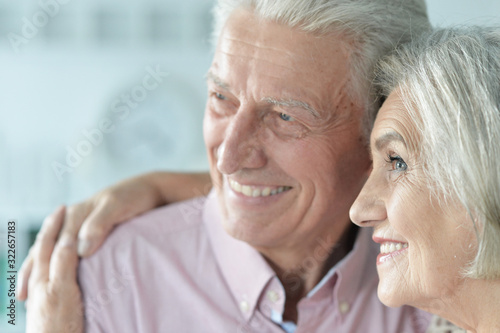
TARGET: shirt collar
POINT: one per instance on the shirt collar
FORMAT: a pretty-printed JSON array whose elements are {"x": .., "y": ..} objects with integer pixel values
[
  {"x": 244, "y": 269},
  {"x": 356, "y": 267},
  {"x": 247, "y": 273}
]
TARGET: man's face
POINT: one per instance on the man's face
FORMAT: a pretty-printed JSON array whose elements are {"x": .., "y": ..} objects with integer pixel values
[{"x": 283, "y": 137}]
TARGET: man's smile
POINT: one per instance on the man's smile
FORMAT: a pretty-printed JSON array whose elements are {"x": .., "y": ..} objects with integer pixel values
[{"x": 256, "y": 191}]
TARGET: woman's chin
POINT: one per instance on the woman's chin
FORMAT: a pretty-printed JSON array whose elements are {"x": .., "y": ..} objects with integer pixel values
[{"x": 390, "y": 298}]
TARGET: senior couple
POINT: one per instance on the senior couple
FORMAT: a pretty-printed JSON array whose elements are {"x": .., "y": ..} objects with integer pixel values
[{"x": 293, "y": 91}]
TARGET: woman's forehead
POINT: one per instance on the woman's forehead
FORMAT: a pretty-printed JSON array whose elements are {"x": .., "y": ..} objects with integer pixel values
[{"x": 394, "y": 123}]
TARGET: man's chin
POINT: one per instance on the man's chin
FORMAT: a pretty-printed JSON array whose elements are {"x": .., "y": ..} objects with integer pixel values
[{"x": 247, "y": 230}]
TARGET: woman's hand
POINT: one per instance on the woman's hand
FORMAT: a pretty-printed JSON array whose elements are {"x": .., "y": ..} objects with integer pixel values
[
  {"x": 89, "y": 222},
  {"x": 55, "y": 303}
]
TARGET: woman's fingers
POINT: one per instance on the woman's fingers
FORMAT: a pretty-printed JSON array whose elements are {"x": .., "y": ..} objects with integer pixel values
[
  {"x": 44, "y": 244},
  {"x": 97, "y": 227},
  {"x": 74, "y": 218},
  {"x": 64, "y": 262},
  {"x": 23, "y": 277},
  {"x": 54, "y": 303}
]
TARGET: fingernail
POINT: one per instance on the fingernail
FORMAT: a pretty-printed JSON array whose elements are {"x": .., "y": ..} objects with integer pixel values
[{"x": 84, "y": 246}]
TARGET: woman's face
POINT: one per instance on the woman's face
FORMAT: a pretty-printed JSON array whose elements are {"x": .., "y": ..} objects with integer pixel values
[{"x": 423, "y": 246}]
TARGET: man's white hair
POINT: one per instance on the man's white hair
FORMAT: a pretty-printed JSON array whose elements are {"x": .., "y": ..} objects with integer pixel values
[
  {"x": 450, "y": 83},
  {"x": 373, "y": 28}
]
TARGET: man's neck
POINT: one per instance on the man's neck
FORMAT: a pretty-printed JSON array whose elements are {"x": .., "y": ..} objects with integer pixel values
[{"x": 300, "y": 278}]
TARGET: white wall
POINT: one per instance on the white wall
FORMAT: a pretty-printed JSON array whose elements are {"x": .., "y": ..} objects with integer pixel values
[
  {"x": 456, "y": 12},
  {"x": 65, "y": 79}
]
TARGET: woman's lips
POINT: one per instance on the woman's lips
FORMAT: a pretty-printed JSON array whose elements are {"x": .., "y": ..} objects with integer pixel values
[{"x": 389, "y": 249}]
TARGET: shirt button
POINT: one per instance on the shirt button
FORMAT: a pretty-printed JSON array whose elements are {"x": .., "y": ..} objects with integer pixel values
[
  {"x": 273, "y": 296},
  {"x": 244, "y": 306},
  {"x": 344, "y": 307}
]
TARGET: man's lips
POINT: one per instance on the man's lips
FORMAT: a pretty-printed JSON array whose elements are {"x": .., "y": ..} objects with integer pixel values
[{"x": 256, "y": 191}]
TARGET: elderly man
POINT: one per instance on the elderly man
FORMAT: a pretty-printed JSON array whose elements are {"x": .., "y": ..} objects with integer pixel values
[{"x": 272, "y": 248}]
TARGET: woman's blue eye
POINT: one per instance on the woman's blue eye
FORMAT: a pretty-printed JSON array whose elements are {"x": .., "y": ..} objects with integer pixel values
[
  {"x": 286, "y": 117},
  {"x": 398, "y": 164}
]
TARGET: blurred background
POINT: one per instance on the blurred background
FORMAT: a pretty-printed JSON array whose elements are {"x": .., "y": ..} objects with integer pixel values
[{"x": 96, "y": 91}]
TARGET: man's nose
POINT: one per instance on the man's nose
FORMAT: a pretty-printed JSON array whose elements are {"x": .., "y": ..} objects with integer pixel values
[
  {"x": 369, "y": 207},
  {"x": 242, "y": 146}
]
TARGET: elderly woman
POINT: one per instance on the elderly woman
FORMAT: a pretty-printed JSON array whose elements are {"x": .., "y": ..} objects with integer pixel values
[{"x": 433, "y": 196}]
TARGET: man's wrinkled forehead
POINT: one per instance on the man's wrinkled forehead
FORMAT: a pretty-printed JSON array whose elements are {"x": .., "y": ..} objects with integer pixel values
[
  {"x": 286, "y": 64},
  {"x": 252, "y": 34}
]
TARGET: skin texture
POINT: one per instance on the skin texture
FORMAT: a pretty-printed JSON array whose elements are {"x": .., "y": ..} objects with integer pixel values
[
  {"x": 256, "y": 142},
  {"x": 397, "y": 203},
  {"x": 54, "y": 293}
]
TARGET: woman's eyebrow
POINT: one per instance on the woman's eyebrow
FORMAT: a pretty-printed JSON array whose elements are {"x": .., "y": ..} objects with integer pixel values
[{"x": 382, "y": 141}]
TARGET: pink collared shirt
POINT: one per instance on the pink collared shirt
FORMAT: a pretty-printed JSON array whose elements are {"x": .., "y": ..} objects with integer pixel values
[{"x": 176, "y": 270}]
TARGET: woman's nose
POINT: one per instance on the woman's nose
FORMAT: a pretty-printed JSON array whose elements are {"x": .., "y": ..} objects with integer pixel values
[{"x": 369, "y": 207}]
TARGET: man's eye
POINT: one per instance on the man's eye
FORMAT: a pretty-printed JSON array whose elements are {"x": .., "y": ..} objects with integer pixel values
[
  {"x": 286, "y": 117},
  {"x": 397, "y": 163},
  {"x": 220, "y": 96}
]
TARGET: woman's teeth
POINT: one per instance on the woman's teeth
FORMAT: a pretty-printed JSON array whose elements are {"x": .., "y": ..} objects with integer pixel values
[
  {"x": 392, "y": 247},
  {"x": 252, "y": 191}
]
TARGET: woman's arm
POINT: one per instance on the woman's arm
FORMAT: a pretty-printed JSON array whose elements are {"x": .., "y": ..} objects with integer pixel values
[{"x": 90, "y": 222}]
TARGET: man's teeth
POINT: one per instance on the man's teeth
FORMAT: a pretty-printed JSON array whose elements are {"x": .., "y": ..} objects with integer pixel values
[
  {"x": 251, "y": 191},
  {"x": 392, "y": 247}
]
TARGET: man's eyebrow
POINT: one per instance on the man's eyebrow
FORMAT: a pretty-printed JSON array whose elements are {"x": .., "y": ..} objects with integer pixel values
[
  {"x": 292, "y": 103},
  {"x": 384, "y": 140},
  {"x": 217, "y": 80}
]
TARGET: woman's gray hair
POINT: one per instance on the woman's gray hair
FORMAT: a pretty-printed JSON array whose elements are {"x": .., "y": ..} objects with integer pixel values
[
  {"x": 450, "y": 83},
  {"x": 373, "y": 27}
]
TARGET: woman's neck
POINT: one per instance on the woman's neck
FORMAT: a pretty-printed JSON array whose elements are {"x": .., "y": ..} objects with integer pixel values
[{"x": 474, "y": 306}]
